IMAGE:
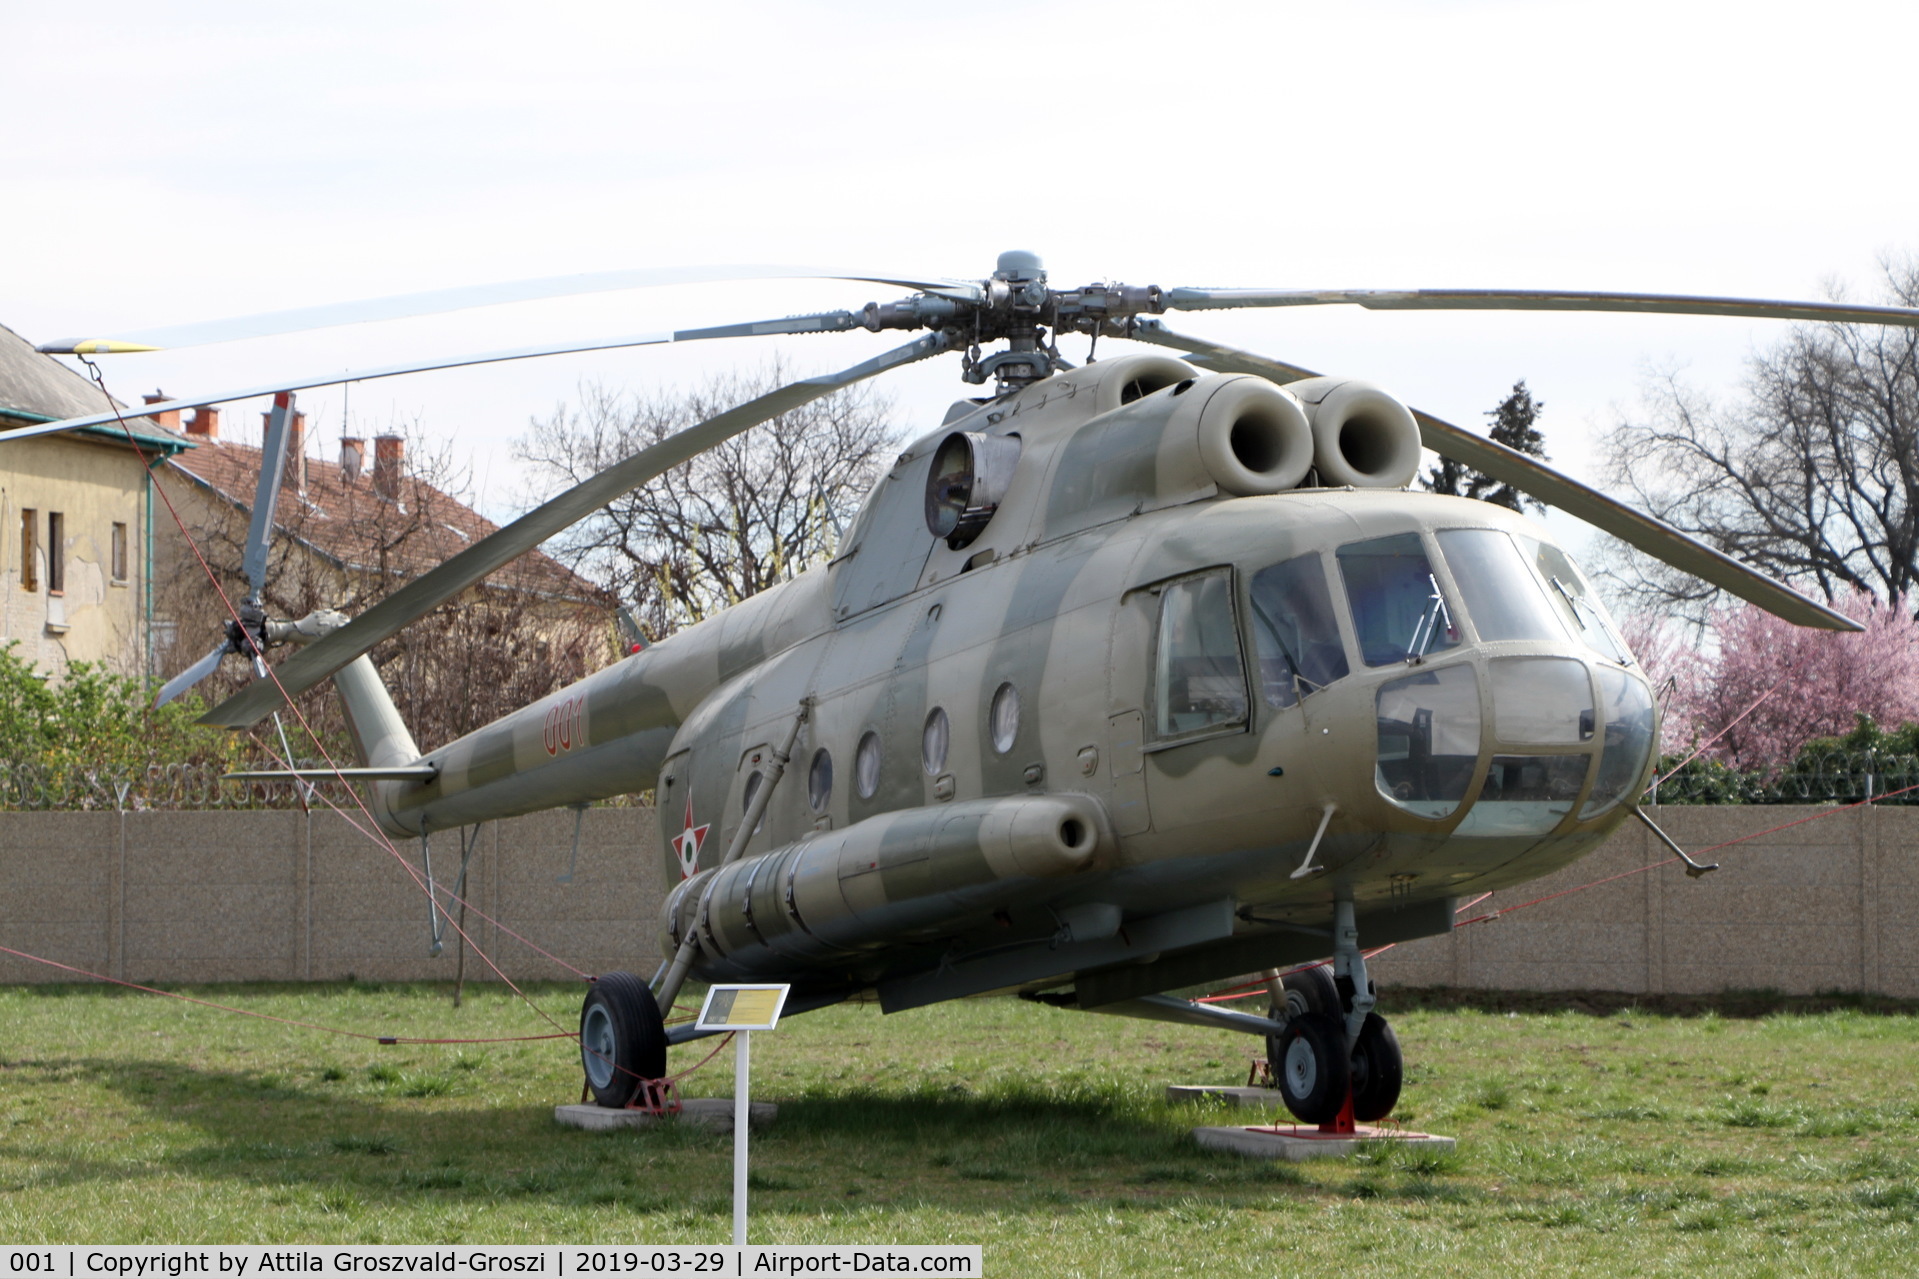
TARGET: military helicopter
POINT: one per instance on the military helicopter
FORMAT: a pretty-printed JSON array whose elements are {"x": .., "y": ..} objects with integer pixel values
[{"x": 1131, "y": 676}]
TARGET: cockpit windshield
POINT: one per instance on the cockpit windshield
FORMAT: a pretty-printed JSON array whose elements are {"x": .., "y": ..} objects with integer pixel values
[
  {"x": 1502, "y": 598},
  {"x": 1399, "y": 611}
]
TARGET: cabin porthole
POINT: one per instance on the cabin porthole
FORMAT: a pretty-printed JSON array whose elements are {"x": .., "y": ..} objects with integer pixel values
[
  {"x": 1004, "y": 719},
  {"x": 866, "y": 766},
  {"x": 933, "y": 741},
  {"x": 819, "y": 780}
]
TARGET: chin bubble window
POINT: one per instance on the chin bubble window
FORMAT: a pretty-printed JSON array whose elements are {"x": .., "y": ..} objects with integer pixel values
[
  {"x": 1428, "y": 739},
  {"x": 1199, "y": 679},
  {"x": 1629, "y": 732}
]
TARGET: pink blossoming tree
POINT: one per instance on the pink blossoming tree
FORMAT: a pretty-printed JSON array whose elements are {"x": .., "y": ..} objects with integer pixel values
[{"x": 1823, "y": 680}]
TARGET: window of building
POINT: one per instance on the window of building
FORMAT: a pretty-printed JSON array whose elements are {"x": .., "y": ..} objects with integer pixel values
[
  {"x": 29, "y": 550},
  {"x": 119, "y": 552},
  {"x": 56, "y": 553}
]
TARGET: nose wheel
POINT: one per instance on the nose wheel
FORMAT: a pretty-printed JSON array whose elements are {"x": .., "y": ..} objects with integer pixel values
[
  {"x": 1318, "y": 1075},
  {"x": 1337, "y": 1062}
]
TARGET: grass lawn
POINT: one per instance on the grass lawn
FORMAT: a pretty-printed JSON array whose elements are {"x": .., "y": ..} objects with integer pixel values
[{"x": 1759, "y": 1138}]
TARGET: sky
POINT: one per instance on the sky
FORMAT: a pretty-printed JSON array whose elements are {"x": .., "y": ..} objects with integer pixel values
[{"x": 176, "y": 163}]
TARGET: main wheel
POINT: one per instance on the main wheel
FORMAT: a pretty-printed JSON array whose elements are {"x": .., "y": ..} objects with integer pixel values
[
  {"x": 622, "y": 1039},
  {"x": 1311, "y": 1068},
  {"x": 1377, "y": 1070},
  {"x": 1310, "y": 990}
]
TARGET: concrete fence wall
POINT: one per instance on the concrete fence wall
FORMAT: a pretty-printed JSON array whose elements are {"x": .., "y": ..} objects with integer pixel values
[
  {"x": 280, "y": 896},
  {"x": 1829, "y": 905}
]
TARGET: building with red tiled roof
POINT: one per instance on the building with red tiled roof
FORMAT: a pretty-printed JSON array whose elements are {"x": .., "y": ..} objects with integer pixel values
[
  {"x": 348, "y": 532},
  {"x": 76, "y": 518}
]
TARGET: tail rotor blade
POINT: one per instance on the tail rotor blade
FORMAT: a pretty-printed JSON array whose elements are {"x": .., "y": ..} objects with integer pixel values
[
  {"x": 322, "y": 658},
  {"x": 266, "y": 494},
  {"x": 191, "y": 675}
]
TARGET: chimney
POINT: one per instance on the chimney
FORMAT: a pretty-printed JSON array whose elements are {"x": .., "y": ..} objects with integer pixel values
[
  {"x": 204, "y": 424},
  {"x": 294, "y": 475},
  {"x": 389, "y": 460},
  {"x": 170, "y": 420},
  {"x": 352, "y": 458}
]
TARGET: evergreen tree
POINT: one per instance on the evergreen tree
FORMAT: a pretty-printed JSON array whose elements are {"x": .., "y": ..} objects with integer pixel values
[{"x": 1512, "y": 426}]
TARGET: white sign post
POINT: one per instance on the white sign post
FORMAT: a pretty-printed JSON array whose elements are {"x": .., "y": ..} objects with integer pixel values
[{"x": 743, "y": 1010}]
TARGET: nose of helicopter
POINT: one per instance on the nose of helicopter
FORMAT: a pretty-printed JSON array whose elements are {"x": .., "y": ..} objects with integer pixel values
[{"x": 1519, "y": 742}]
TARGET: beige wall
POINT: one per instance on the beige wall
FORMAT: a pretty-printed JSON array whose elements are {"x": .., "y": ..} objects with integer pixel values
[
  {"x": 1824, "y": 906},
  {"x": 1829, "y": 905},
  {"x": 278, "y": 896},
  {"x": 94, "y": 485}
]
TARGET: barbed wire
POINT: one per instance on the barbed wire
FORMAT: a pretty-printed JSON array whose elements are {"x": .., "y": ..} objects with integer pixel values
[{"x": 1824, "y": 777}]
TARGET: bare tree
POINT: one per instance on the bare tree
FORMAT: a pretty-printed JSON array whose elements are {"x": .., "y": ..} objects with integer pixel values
[
  {"x": 346, "y": 543},
  {"x": 739, "y": 518},
  {"x": 1811, "y": 475}
]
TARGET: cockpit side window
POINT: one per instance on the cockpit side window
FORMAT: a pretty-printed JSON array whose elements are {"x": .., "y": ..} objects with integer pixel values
[
  {"x": 1295, "y": 635},
  {"x": 1399, "y": 611},
  {"x": 1199, "y": 679},
  {"x": 1576, "y": 600}
]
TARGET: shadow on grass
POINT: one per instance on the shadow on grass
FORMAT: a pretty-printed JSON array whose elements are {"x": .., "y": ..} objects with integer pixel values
[{"x": 359, "y": 1136}]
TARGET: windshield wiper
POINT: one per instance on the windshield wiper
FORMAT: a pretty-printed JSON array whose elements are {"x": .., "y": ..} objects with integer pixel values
[{"x": 1428, "y": 624}]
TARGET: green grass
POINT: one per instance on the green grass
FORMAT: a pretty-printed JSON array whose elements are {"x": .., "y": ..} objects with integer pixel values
[{"x": 1755, "y": 1137}]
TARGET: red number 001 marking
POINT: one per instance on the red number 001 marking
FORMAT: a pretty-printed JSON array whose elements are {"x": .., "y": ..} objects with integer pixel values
[{"x": 562, "y": 725}]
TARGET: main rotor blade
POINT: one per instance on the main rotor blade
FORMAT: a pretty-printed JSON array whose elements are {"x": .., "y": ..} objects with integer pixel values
[
  {"x": 191, "y": 675},
  {"x": 1539, "y": 300},
  {"x": 829, "y": 322},
  {"x": 318, "y": 660},
  {"x": 1528, "y": 475},
  {"x": 437, "y": 301}
]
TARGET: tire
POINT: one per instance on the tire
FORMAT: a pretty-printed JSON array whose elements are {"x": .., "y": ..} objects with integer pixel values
[
  {"x": 1377, "y": 1071},
  {"x": 1311, "y": 990},
  {"x": 1311, "y": 1067},
  {"x": 622, "y": 1038}
]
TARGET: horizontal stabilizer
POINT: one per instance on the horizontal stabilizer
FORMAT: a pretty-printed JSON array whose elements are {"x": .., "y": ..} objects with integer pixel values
[{"x": 399, "y": 773}]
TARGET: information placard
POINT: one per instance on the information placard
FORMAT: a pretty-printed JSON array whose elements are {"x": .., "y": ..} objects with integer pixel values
[{"x": 742, "y": 1007}]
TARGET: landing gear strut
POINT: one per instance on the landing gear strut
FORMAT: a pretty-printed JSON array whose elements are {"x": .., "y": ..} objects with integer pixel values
[{"x": 1337, "y": 1061}]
